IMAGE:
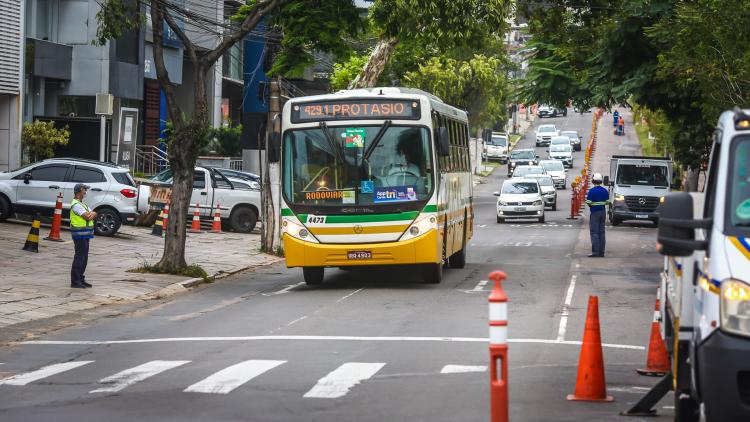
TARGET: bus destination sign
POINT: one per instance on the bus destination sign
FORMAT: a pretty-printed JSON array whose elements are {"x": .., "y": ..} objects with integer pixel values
[{"x": 356, "y": 109}]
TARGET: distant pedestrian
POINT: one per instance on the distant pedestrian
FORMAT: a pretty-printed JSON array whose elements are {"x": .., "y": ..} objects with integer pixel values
[
  {"x": 621, "y": 126},
  {"x": 82, "y": 231},
  {"x": 616, "y": 118},
  {"x": 597, "y": 200}
]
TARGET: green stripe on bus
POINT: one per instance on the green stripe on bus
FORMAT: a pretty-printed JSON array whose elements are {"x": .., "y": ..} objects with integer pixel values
[
  {"x": 286, "y": 212},
  {"x": 371, "y": 218},
  {"x": 430, "y": 208}
]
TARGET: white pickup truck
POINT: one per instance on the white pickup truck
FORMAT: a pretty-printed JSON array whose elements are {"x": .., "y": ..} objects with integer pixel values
[{"x": 239, "y": 200}]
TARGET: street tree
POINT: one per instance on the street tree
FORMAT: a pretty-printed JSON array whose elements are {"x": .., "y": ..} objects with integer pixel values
[
  {"x": 443, "y": 23},
  {"x": 299, "y": 26}
]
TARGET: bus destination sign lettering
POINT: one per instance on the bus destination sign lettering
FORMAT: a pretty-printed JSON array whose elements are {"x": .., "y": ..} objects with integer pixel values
[{"x": 372, "y": 109}]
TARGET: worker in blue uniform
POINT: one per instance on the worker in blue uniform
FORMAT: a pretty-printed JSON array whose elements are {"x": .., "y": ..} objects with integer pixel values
[{"x": 597, "y": 200}]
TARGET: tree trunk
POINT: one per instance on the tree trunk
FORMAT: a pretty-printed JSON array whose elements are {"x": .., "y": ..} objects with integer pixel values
[
  {"x": 375, "y": 64},
  {"x": 270, "y": 229}
]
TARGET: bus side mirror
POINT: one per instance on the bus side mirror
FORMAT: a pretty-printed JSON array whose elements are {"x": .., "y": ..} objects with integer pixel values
[
  {"x": 676, "y": 232},
  {"x": 274, "y": 148},
  {"x": 443, "y": 144},
  {"x": 26, "y": 178}
]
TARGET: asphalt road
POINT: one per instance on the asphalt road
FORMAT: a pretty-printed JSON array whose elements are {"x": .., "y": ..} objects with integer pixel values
[{"x": 375, "y": 345}]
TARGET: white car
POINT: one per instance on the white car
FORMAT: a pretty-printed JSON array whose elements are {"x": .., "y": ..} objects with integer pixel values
[
  {"x": 33, "y": 189},
  {"x": 563, "y": 153},
  {"x": 497, "y": 148},
  {"x": 549, "y": 111},
  {"x": 523, "y": 171},
  {"x": 545, "y": 133},
  {"x": 547, "y": 185},
  {"x": 520, "y": 198},
  {"x": 557, "y": 170},
  {"x": 560, "y": 140}
]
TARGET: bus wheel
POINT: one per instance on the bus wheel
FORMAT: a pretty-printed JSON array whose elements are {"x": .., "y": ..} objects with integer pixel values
[
  {"x": 458, "y": 259},
  {"x": 686, "y": 408},
  {"x": 313, "y": 275},
  {"x": 432, "y": 273}
]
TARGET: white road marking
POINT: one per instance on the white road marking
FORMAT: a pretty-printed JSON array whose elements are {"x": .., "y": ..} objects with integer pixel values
[
  {"x": 314, "y": 338},
  {"x": 564, "y": 315},
  {"x": 44, "y": 372},
  {"x": 342, "y": 379},
  {"x": 226, "y": 380},
  {"x": 480, "y": 286},
  {"x": 481, "y": 225},
  {"x": 460, "y": 369},
  {"x": 297, "y": 320},
  {"x": 128, "y": 377},
  {"x": 350, "y": 295},
  {"x": 284, "y": 290}
]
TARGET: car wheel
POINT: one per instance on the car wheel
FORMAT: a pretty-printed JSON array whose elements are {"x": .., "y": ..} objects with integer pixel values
[
  {"x": 313, "y": 275},
  {"x": 686, "y": 408},
  {"x": 107, "y": 222},
  {"x": 4, "y": 209},
  {"x": 541, "y": 219},
  {"x": 243, "y": 219},
  {"x": 500, "y": 220},
  {"x": 615, "y": 221},
  {"x": 554, "y": 206},
  {"x": 432, "y": 273}
]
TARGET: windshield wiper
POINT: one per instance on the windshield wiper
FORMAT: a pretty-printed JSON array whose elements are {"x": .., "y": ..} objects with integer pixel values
[
  {"x": 376, "y": 140},
  {"x": 742, "y": 224},
  {"x": 332, "y": 142}
]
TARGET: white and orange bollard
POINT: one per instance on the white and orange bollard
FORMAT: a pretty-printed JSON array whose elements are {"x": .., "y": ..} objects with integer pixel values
[
  {"x": 195, "y": 226},
  {"x": 54, "y": 233},
  {"x": 165, "y": 220},
  {"x": 498, "y": 302},
  {"x": 216, "y": 225}
]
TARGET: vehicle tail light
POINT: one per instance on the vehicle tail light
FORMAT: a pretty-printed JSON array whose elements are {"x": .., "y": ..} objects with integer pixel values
[{"x": 128, "y": 193}]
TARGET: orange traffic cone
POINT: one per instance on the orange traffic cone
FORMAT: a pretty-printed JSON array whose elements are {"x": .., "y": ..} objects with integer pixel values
[
  {"x": 54, "y": 234},
  {"x": 590, "y": 384},
  {"x": 165, "y": 220},
  {"x": 657, "y": 360},
  {"x": 216, "y": 226},
  {"x": 195, "y": 226}
]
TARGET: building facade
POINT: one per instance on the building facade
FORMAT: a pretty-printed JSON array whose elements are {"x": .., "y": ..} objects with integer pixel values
[{"x": 11, "y": 102}]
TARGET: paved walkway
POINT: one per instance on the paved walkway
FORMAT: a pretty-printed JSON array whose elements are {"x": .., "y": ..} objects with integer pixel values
[{"x": 36, "y": 285}]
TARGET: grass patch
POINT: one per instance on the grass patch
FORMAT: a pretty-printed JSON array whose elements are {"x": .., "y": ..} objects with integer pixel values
[
  {"x": 648, "y": 148},
  {"x": 514, "y": 139},
  {"x": 192, "y": 271}
]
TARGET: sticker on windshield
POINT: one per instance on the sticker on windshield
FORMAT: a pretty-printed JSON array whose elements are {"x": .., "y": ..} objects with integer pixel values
[
  {"x": 367, "y": 186},
  {"x": 348, "y": 197},
  {"x": 354, "y": 137},
  {"x": 743, "y": 210},
  {"x": 395, "y": 194}
]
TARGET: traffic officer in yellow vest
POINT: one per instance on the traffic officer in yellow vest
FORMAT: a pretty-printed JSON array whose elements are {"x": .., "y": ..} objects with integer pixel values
[{"x": 82, "y": 230}]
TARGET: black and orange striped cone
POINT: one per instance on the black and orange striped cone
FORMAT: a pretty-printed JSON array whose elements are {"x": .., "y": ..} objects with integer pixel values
[
  {"x": 32, "y": 240},
  {"x": 158, "y": 229}
]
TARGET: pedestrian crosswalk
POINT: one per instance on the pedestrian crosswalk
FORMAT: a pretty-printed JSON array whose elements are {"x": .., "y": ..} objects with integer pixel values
[{"x": 335, "y": 384}]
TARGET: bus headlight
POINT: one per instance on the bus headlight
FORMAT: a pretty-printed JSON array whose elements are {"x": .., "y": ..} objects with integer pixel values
[
  {"x": 735, "y": 307},
  {"x": 420, "y": 226},
  {"x": 297, "y": 231}
]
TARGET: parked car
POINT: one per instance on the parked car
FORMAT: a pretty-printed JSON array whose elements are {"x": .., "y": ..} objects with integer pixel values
[
  {"x": 545, "y": 133},
  {"x": 575, "y": 138},
  {"x": 497, "y": 148},
  {"x": 523, "y": 171},
  {"x": 33, "y": 189},
  {"x": 563, "y": 153},
  {"x": 547, "y": 186},
  {"x": 557, "y": 171},
  {"x": 520, "y": 198},
  {"x": 521, "y": 157},
  {"x": 212, "y": 188}
]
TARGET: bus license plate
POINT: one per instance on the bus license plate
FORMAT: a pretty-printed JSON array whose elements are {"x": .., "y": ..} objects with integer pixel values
[
  {"x": 520, "y": 209},
  {"x": 359, "y": 255},
  {"x": 641, "y": 216}
]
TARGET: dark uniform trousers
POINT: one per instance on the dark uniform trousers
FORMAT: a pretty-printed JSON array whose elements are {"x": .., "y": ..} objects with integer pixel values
[
  {"x": 80, "y": 260},
  {"x": 596, "y": 229}
]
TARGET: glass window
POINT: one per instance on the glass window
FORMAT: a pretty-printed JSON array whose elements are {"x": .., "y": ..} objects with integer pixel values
[
  {"x": 199, "y": 180},
  {"x": 644, "y": 175},
  {"x": 124, "y": 179},
  {"x": 552, "y": 165},
  {"x": 76, "y": 106},
  {"x": 55, "y": 173},
  {"x": 520, "y": 187},
  {"x": 498, "y": 141},
  {"x": 560, "y": 148},
  {"x": 739, "y": 188},
  {"x": 88, "y": 175},
  {"x": 343, "y": 165},
  {"x": 523, "y": 155},
  {"x": 164, "y": 176}
]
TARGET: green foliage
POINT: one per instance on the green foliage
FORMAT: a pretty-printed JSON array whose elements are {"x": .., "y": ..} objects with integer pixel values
[
  {"x": 192, "y": 271},
  {"x": 115, "y": 17},
  {"x": 477, "y": 85},
  {"x": 225, "y": 141},
  {"x": 40, "y": 139},
  {"x": 344, "y": 73}
]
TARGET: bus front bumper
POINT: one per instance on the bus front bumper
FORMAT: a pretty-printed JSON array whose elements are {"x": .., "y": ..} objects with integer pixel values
[{"x": 424, "y": 249}]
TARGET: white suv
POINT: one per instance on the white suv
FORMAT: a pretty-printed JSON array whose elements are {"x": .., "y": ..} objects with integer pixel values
[
  {"x": 520, "y": 198},
  {"x": 33, "y": 189}
]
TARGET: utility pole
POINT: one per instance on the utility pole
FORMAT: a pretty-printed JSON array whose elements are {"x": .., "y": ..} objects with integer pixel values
[{"x": 270, "y": 235}]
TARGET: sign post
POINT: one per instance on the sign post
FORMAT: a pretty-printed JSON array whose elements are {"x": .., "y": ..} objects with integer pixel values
[{"x": 103, "y": 109}]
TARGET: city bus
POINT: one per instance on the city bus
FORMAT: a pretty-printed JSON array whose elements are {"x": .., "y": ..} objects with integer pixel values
[{"x": 375, "y": 177}]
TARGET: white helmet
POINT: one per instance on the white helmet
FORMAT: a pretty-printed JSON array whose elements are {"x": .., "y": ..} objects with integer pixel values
[{"x": 597, "y": 177}]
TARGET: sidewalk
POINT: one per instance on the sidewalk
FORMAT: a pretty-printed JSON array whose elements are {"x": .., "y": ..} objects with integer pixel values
[{"x": 36, "y": 285}]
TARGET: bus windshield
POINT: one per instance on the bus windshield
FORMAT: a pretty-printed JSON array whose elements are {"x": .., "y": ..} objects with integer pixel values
[
  {"x": 739, "y": 188},
  {"x": 644, "y": 175},
  {"x": 357, "y": 165}
]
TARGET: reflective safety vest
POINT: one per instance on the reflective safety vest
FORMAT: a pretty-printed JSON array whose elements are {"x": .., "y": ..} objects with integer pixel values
[{"x": 80, "y": 228}]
